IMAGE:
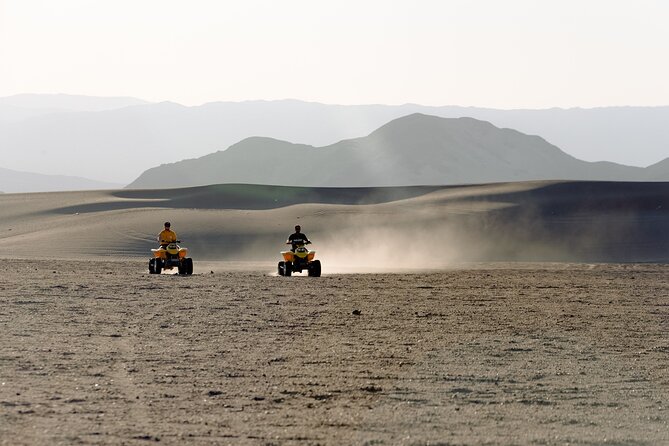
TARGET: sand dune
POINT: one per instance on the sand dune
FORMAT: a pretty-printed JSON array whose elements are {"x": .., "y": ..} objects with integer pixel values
[{"x": 395, "y": 227}]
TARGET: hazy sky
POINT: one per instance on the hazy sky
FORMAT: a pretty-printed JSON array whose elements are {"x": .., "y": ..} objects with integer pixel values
[{"x": 494, "y": 53}]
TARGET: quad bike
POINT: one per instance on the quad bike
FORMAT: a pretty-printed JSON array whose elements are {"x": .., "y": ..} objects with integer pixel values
[
  {"x": 298, "y": 260},
  {"x": 169, "y": 257}
]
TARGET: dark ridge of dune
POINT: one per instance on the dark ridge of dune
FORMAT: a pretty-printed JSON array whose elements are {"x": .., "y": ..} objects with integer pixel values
[
  {"x": 248, "y": 196},
  {"x": 591, "y": 221},
  {"x": 593, "y": 196}
]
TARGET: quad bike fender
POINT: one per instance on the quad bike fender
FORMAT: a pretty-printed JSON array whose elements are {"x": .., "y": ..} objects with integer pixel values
[
  {"x": 162, "y": 253},
  {"x": 288, "y": 256}
]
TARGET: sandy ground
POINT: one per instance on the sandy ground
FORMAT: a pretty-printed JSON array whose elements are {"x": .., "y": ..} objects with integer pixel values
[{"x": 98, "y": 352}]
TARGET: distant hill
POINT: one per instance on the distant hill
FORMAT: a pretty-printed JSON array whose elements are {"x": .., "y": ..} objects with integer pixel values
[
  {"x": 119, "y": 140},
  {"x": 67, "y": 102},
  {"x": 12, "y": 181},
  {"x": 658, "y": 171},
  {"x": 414, "y": 150}
]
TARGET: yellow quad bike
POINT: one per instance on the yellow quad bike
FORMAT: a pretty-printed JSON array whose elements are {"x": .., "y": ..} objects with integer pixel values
[
  {"x": 299, "y": 260},
  {"x": 169, "y": 257}
]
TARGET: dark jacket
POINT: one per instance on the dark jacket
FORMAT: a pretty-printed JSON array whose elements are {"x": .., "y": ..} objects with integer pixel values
[{"x": 296, "y": 238}]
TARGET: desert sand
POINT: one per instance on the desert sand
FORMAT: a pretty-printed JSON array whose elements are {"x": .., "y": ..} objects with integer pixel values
[
  {"x": 528, "y": 313},
  {"x": 415, "y": 227}
]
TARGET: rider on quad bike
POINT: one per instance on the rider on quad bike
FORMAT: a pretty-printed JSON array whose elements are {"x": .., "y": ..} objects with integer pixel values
[
  {"x": 169, "y": 254},
  {"x": 299, "y": 258},
  {"x": 167, "y": 236},
  {"x": 297, "y": 238}
]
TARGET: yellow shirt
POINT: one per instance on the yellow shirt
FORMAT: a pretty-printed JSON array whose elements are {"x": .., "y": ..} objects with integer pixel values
[{"x": 167, "y": 236}]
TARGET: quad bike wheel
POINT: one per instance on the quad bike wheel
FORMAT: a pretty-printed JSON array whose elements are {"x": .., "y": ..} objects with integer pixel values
[
  {"x": 314, "y": 268},
  {"x": 155, "y": 266},
  {"x": 185, "y": 267},
  {"x": 281, "y": 267},
  {"x": 288, "y": 269}
]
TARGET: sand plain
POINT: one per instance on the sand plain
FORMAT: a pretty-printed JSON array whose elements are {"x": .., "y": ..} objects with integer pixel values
[
  {"x": 103, "y": 353},
  {"x": 472, "y": 335}
]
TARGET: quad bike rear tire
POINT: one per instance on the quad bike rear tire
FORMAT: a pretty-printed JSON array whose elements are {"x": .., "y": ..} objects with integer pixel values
[
  {"x": 158, "y": 266},
  {"x": 188, "y": 266},
  {"x": 314, "y": 269},
  {"x": 152, "y": 266},
  {"x": 281, "y": 267},
  {"x": 288, "y": 269}
]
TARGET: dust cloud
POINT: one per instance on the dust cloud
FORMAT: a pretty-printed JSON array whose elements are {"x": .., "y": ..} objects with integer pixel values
[
  {"x": 389, "y": 249},
  {"x": 436, "y": 241}
]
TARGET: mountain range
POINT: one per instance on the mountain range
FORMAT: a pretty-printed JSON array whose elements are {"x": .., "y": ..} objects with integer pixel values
[
  {"x": 116, "y": 139},
  {"x": 416, "y": 149},
  {"x": 22, "y": 106},
  {"x": 12, "y": 181}
]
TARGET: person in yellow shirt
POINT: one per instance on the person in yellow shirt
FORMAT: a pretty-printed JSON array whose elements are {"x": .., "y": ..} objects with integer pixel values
[{"x": 167, "y": 236}]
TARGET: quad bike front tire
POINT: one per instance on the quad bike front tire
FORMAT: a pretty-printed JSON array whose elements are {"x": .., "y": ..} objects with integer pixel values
[
  {"x": 288, "y": 269},
  {"x": 281, "y": 267},
  {"x": 152, "y": 266},
  {"x": 158, "y": 266},
  {"x": 314, "y": 268}
]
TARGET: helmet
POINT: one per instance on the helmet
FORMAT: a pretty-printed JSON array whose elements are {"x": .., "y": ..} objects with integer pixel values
[
  {"x": 297, "y": 227},
  {"x": 167, "y": 224}
]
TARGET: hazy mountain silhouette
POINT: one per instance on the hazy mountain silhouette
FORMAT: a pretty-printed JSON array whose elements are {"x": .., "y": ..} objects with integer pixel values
[
  {"x": 67, "y": 102},
  {"x": 414, "y": 150},
  {"x": 658, "y": 171},
  {"x": 13, "y": 181},
  {"x": 120, "y": 140}
]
